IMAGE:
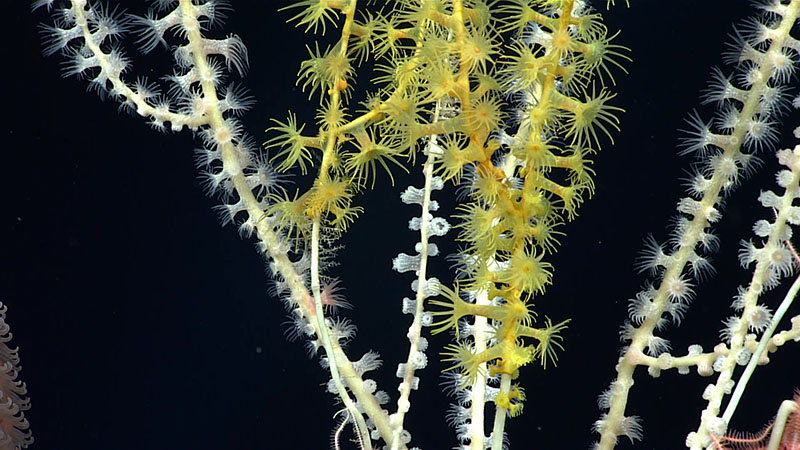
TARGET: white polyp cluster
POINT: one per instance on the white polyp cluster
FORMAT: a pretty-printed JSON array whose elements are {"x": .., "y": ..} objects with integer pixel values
[
  {"x": 404, "y": 263},
  {"x": 88, "y": 35},
  {"x": 437, "y": 226},
  {"x": 770, "y": 260},
  {"x": 769, "y": 256},
  {"x": 764, "y": 60},
  {"x": 748, "y": 103}
]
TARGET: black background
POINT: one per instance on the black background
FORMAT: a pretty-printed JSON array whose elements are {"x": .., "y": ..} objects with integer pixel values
[{"x": 144, "y": 325}]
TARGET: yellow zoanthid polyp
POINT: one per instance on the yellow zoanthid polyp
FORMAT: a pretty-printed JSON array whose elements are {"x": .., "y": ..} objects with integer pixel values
[
  {"x": 332, "y": 196},
  {"x": 362, "y": 162},
  {"x": 294, "y": 147}
]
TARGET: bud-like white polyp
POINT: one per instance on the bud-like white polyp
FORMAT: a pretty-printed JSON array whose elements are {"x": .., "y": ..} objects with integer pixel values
[
  {"x": 426, "y": 318},
  {"x": 708, "y": 392},
  {"x": 438, "y": 226},
  {"x": 415, "y": 224},
  {"x": 719, "y": 363},
  {"x": 370, "y": 386},
  {"x": 419, "y": 360},
  {"x": 693, "y": 207},
  {"x": 433, "y": 249},
  {"x": 401, "y": 370},
  {"x": 665, "y": 361},
  {"x": 785, "y": 178},
  {"x": 717, "y": 426},
  {"x": 729, "y": 387},
  {"x": 690, "y": 438},
  {"x": 769, "y": 199},
  {"x": 790, "y": 158},
  {"x": 412, "y": 196},
  {"x": 793, "y": 215},
  {"x": 406, "y": 263},
  {"x": 432, "y": 287},
  {"x": 409, "y": 306},
  {"x": 762, "y": 228}
]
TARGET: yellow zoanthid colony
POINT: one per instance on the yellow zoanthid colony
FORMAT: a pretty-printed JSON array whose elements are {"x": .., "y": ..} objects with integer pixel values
[{"x": 507, "y": 99}]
